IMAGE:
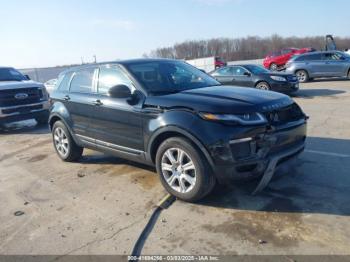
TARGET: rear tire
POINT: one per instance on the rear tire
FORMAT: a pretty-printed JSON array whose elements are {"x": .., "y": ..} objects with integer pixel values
[
  {"x": 349, "y": 74},
  {"x": 263, "y": 86},
  {"x": 64, "y": 144},
  {"x": 302, "y": 76},
  {"x": 183, "y": 170}
]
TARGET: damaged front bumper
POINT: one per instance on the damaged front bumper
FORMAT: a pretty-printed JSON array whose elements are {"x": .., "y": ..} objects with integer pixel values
[{"x": 258, "y": 156}]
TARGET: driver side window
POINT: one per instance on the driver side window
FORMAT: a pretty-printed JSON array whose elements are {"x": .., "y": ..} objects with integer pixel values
[{"x": 110, "y": 76}]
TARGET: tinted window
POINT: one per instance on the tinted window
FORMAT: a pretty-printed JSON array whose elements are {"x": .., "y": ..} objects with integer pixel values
[
  {"x": 313, "y": 57},
  {"x": 225, "y": 71},
  {"x": 333, "y": 56},
  {"x": 82, "y": 81},
  {"x": 10, "y": 74},
  {"x": 256, "y": 70},
  {"x": 169, "y": 76},
  {"x": 112, "y": 75},
  {"x": 63, "y": 82},
  {"x": 286, "y": 51},
  {"x": 238, "y": 71},
  {"x": 298, "y": 58}
]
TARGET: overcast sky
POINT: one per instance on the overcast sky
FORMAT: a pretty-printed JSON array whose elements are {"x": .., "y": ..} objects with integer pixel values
[{"x": 37, "y": 33}]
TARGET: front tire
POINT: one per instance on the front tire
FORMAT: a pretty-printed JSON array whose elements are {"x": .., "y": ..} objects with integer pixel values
[
  {"x": 183, "y": 170},
  {"x": 302, "y": 76},
  {"x": 349, "y": 74},
  {"x": 64, "y": 144},
  {"x": 263, "y": 86}
]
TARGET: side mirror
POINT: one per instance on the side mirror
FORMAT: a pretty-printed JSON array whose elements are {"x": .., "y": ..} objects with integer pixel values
[
  {"x": 120, "y": 91},
  {"x": 247, "y": 74},
  {"x": 27, "y": 77}
]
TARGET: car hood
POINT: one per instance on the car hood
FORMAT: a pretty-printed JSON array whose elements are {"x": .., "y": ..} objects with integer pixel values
[
  {"x": 222, "y": 99},
  {"x": 7, "y": 85}
]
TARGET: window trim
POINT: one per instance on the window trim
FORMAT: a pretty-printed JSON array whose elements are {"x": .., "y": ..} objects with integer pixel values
[
  {"x": 121, "y": 69},
  {"x": 93, "y": 87}
]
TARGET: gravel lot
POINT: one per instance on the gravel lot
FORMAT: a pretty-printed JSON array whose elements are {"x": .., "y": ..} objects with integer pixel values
[{"x": 100, "y": 205}]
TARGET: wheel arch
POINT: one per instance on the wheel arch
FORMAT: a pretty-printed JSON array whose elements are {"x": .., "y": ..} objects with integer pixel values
[
  {"x": 174, "y": 131},
  {"x": 261, "y": 81}
]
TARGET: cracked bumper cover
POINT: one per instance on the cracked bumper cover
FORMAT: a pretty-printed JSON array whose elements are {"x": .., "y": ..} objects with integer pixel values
[{"x": 259, "y": 155}]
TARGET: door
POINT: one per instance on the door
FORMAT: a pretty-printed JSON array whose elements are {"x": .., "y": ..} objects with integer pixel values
[
  {"x": 242, "y": 76},
  {"x": 334, "y": 64},
  {"x": 78, "y": 100},
  {"x": 314, "y": 64},
  {"x": 225, "y": 76},
  {"x": 115, "y": 123}
]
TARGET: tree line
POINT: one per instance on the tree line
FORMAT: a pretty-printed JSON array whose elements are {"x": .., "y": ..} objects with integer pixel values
[{"x": 251, "y": 47}]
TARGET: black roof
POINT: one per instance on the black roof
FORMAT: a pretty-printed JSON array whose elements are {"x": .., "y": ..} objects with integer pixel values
[{"x": 121, "y": 62}]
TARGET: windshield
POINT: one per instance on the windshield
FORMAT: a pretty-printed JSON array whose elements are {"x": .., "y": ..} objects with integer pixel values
[
  {"x": 10, "y": 74},
  {"x": 169, "y": 76},
  {"x": 256, "y": 70}
]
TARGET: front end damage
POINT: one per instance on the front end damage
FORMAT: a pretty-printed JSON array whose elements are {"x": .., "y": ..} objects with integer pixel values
[{"x": 260, "y": 154}]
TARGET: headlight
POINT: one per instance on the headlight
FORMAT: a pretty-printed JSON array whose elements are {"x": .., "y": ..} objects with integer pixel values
[
  {"x": 244, "y": 119},
  {"x": 279, "y": 78}
]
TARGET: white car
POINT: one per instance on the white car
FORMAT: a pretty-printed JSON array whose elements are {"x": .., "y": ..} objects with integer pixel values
[{"x": 50, "y": 85}]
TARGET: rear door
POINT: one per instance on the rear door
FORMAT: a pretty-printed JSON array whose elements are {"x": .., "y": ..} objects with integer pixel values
[
  {"x": 334, "y": 64},
  {"x": 314, "y": 64},
  {"x": 242, "y": 76},
  {"x": 79, "y": 100},
  {"x": 225, "y": 76}
]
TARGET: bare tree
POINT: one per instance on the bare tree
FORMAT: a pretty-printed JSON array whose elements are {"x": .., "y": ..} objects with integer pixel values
[{"x": 251, "y": 47}]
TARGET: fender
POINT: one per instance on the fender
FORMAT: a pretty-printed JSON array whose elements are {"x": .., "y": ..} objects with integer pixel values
[
  {"x": 184, "y": 132},
  {"x": 58, "y": 110}
]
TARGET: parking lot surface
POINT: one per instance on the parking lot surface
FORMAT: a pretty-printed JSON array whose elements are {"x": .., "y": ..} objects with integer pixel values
[{"x": 101, "y": 204}]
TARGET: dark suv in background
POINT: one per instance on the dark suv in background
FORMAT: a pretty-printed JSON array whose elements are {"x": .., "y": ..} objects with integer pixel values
[
  {"x": 169, "y": 114},
  {"x": 21, "y": 98}
]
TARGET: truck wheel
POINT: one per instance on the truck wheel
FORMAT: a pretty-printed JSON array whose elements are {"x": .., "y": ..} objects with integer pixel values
[
  {"x": 302, "y": 76},
  {"x": 273, "y": 67},
  {"x": 64, "y": 144},
  {"x": 349, "y": 74},
  {"x": 183, "y": 170},
  {"x": 263, "y": 86}
]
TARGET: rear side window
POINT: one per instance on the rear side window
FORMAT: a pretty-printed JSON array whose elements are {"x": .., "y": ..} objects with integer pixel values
[
  {"x": 333, "y": 56},
  {"x": 63, "y": 82},
  {"x": 238, "y": 71},
  {"x": 225, "y": 71},
  {"x": 110, "y": 76},
  {"x": 298, "y": 58},
  {"x": 82, "y": 81},
  {"x": 313, "y": 57}
]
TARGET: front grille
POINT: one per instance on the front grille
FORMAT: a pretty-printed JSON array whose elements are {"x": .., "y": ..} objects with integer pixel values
[
  {"x": 22, "y": 109},
  {"x": 284, "y": 115},
  {"x": 8, "y": 97}
]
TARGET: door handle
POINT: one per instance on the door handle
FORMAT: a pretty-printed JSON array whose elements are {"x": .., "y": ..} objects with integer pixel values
[
  {"x": 97, "y": 102},
  {"x": 66, "y": 98}
]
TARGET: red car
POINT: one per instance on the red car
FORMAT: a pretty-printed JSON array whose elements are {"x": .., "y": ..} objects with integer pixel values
[{"x": 277, "y": 60}]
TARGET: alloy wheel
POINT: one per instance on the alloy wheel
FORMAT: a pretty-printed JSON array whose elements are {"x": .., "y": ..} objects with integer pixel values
[
  {"x": 61, "y": 142},
  {"x": 301, "y": 76},
  {"x": 263, "y": 86},
  {"x": 178, "y": 170}
]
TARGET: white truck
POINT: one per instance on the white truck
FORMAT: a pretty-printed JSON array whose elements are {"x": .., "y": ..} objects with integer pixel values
[{"x": 207, "y": 64}]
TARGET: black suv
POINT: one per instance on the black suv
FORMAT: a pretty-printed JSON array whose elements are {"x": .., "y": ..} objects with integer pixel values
[
  {"x": 20, "y": 98},
  {"x": 169, "y": 114}
]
